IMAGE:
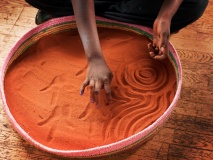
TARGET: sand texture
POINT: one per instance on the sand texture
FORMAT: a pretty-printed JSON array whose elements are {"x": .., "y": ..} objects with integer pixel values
[{"x": 42, "y": 90}]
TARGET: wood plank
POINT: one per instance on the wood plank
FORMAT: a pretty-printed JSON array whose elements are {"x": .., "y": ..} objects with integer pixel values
[
  {"x": 19, "y": 31},
  {"x": 193, "y": 140},
  {"x": 194, "y": 109},
  {"x": 192, "y": 124},
  {"x": 197, "y": 95},
  {"x": 186, "y": 153},
  {"x": 27, "y": 17},
  {"x": 200, "y": 58}
]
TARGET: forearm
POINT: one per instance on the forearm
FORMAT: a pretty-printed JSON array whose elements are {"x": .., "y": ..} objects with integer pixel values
[
  {"x": 169, "y": 8},
  {"x": 86, "y": 23}
]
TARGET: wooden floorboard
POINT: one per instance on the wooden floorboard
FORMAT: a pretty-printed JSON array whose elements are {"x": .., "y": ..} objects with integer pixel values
[{"x": 188, "y": 134}]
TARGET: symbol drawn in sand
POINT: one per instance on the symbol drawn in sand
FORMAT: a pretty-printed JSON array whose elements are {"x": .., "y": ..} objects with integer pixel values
[
  {"x": 24, "y": 79},
  {"x": 143, "y": 76},
  {"x": 60, "y": 113},
  {"x": 139, "y": 99},
  {"x": 81, "y": 71},
  {"x": 127, "y": 114},
  {"x": 55, "y": 83},
  {"x": 85, "y": 112}
]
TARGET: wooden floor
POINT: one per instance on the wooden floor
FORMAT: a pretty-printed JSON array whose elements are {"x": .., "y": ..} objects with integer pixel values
[{"x": 188, "y": 135}]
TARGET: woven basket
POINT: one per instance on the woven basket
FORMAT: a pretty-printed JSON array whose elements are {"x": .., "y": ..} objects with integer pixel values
[{"x": 65, "y": 23}]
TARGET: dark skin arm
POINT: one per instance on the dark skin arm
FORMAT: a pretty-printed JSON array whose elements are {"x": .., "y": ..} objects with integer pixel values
[
  {"x": 98, "y": 73},
  {"x": 161, "y": 29}
]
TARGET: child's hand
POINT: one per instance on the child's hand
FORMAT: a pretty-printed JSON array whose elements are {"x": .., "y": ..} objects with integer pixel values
[
  {"x": 98, "y": 76},
  {"x": 161, "y": 33}
]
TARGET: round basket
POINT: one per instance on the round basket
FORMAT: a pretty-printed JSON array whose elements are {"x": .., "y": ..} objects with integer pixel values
[{"x": 65, "y": 23}]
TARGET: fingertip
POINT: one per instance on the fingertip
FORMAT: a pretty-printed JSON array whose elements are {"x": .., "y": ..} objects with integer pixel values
[
  {"x": 149, "y": 45},
  {"x": 84, "y": 84},
  {"x": 161, "y": 57},
  {"x": 152, "y": 54},
  {"x": 92, "y": 97},
  {"x": 164, "y": 52},
  {"x": 153, "y": 45},
  {"x": 109, "y": 100},
  {"x": 162, "y": 49},
  {"x": 97, "y": 102},
  {"x": 157, "y": 57},
  {"x": 82, "y": 90},
  {"x": 92, "y": 100},
  {"x": 108, "y": 94}
]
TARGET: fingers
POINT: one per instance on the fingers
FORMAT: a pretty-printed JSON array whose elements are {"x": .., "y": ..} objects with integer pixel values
[
  {"x": 92, "y": 86},
  {"x": 158, "y": 49},
  {"x": 83, "y": 86},
  {"x": 95, "y": 88},
  {"x": 163, "y": 45},
  {"x": 162, "y": 54},
  {"x": 108, "y": 91},
  {"x": 96, "y": 92},
  {"x": 151, "y": 50},
  {"x": 157, "y": 53}
]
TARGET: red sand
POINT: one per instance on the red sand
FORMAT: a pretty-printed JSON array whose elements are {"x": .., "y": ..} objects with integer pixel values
[{"x": 42, "y": 90}]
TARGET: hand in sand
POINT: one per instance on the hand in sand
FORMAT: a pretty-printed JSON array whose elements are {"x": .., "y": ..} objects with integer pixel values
[
  {"x": 161, "y": 33},
  {"x": 98, "y": 77}
]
